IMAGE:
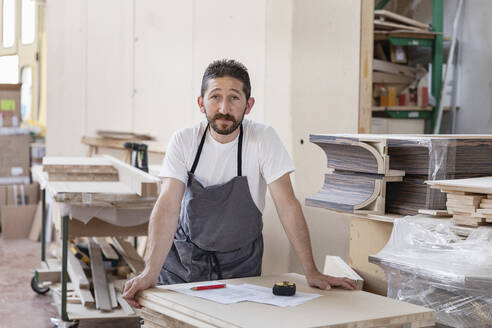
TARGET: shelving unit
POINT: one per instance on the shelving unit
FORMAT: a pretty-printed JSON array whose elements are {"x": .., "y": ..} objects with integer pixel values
[{"x": 433, "y": 39}]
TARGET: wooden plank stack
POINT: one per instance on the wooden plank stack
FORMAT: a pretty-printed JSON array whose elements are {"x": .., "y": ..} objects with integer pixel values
[
  {"x": 421, "y": 157},
  {"x": 105, "y": 180},
  {"x": 468, "y": 200}
]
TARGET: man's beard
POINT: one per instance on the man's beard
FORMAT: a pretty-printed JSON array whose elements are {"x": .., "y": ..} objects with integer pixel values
[{"x": 224, "y": 130}]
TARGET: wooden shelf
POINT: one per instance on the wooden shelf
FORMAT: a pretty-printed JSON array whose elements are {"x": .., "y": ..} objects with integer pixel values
[{"x": 401, "y": 108}]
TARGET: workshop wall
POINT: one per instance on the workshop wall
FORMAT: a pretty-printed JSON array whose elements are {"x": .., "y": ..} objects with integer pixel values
[{"x": 137, "y": 65}]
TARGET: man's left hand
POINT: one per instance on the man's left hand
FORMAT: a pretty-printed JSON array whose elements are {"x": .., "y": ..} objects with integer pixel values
[{"x": 321, "y": 281}]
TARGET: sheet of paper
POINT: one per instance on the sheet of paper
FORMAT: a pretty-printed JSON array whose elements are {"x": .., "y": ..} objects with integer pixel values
[
  {"x": 244, "y": 292},
  {"x": 283, "y": 301},
  {"x": 230, "y": 294}
]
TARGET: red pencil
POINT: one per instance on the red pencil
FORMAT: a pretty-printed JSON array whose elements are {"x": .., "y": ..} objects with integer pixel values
[{"x": 208, "y": 287}]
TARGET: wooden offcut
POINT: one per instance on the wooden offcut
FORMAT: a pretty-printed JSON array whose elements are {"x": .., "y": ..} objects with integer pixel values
[
  {"x": 106, "y": 248},
  {"x": 336, "y": 267},
  {"x": 101, "y": 291},
  {"x": 388, "y": 15},
  {"x": 129, "y": 254},
  {"x": 77, "y": 274},
  {"x": 391, "y": 68},
  {"x": 385, "y": 25}
]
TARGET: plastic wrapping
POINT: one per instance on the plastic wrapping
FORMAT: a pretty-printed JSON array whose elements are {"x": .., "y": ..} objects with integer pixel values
[{"x": 427, "y": 264}]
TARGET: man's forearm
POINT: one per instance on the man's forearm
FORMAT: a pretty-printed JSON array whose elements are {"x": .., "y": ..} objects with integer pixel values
[
  {"x": 162, "y": 227},
  {"x": 297, "y": 231}
]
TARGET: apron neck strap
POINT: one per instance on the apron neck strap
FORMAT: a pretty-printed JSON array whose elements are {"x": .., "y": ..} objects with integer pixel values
[{"x": 239, "y": 150}]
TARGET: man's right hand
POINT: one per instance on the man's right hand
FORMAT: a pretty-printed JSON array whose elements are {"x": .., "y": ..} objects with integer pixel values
[{"x": 133, "y": 286}]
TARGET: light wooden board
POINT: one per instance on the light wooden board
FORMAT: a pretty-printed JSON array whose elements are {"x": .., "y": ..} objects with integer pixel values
[
  {"x": 98, "y": 228},
  {"x": 336, "y": 308},
  {"x": 384, "y": 25},
  {"x": 35, "y": 232},
  {"x": 86, "y": 312},
  {"x": 365, "y": 76},
  {"x": 139, "y": 182},
  {"x": 368, "y": 237},
  {"x": 336, "y": 267},
  {"x": 95, "y": 164},
  {"x": 153, "y": 147},
  {"x": 441, "y": 213},
  {"x": 51, "y": 275},
  {"x": 475, "y": 185},
  {"x": 76, "y": 176},
  {"x": 86, "y": 297},
  {"x": 387, "y": 67},
  {"x": 77, "y": 275},
  {"x": 106, "y": 248},
  {"x": 379, "y": 77},
  {"x": 130, "y": 255},
  {"x": 101, "y": 291},
  {"x": 399, "y": 18}
]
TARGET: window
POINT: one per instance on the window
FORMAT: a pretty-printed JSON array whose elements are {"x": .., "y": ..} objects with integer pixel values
[
  {"x": 28, "y": 21},
  {"x": 8, "y": 23},
  {"x": 9, "y": 66},
  {"x": 26, "y": 92}
]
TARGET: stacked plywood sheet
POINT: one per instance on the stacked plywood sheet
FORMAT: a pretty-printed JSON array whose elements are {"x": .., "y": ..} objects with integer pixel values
[
  {"x": 468, "y": 200},
  {"x": 358, "y": 177},
  {"x": 335, "y": 308},
  {"x": 421, "y": 157},
  {"x": 79, "y": 169}
]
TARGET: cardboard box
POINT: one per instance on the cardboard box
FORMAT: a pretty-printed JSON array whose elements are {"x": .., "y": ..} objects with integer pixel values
[
  {"x": 14, "y": 156},
  {"x": 10, "y": 104},
  {"x": 17, "y": 221}
]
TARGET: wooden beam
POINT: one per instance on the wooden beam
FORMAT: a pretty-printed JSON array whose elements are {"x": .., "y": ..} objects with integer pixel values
[
  {"x": 112, "y": 295},
  {"x": 103, "y": 299},
  {"x": 139, "y": 182},
  {"x": 365, "y": 67},
  {"x": 399, "y": 18},
  {"x": 124, "y": 304},
  {"x": 44, "y": 275},
  {"x": 77, "y": 275},
  {"x": 106, "y": 248},
  {"x": 384, "y": 25},
  {"x": 379, "y": 77},
  {"x": 387, "y": 67},
  {"x": 130, "y": 255},
  {"x": 153, "y": 147},
  {"x": 85, "y": 297}
]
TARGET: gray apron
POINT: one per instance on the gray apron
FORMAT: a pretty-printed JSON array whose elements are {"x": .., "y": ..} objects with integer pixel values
[{"x": 219, "y": 231}]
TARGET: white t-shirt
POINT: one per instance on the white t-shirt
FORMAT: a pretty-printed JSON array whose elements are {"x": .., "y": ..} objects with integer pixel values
[{"x": 264, "y": 158}]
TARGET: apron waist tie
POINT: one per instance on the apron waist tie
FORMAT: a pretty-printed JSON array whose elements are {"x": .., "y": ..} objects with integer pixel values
[
  {"x": 212, "y": 257},
  {"x": 214, "y": 262}
]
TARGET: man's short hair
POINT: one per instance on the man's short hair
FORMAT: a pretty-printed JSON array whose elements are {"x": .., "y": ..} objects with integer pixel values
[{"x": 227, "y": 67}]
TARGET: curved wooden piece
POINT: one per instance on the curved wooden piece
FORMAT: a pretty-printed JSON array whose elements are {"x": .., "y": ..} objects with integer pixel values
[
  {"x": 346, "y": 192},
  {"x": 353, "y": 154}
]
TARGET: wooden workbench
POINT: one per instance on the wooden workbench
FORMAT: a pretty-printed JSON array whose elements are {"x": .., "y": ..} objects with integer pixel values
[
  {"x": 134, "y": 190},
  {"x": 336, "y": 308}
]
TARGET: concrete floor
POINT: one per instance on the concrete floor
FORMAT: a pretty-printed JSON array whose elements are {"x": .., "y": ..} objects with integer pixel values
[{"x": 20, "y": 306}]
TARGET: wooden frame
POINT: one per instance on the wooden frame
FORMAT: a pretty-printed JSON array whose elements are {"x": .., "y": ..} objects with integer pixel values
[{"x": 366, "y": 59}]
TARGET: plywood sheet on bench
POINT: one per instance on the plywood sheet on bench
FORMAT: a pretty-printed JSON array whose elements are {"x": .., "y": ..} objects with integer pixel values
[{"x": 336, "y": 308}]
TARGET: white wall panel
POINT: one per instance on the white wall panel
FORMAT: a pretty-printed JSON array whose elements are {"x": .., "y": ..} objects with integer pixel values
[
  {"x": 325, "y": 99},
  {"x": 66, "y": 69},
  {"x": 230, "y": 29},
  {"x": 109, "y": 65},
  {"x": 163, "y": 67}
]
